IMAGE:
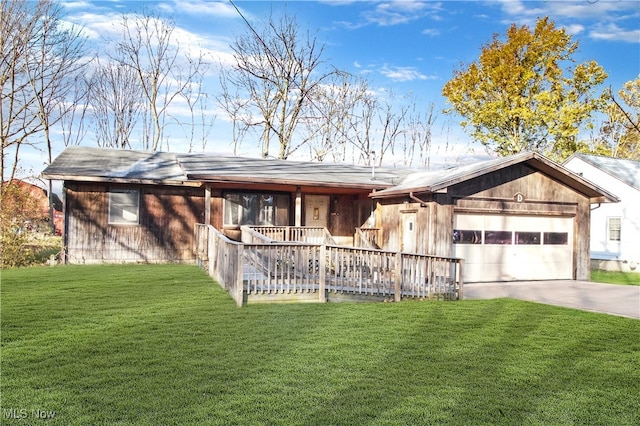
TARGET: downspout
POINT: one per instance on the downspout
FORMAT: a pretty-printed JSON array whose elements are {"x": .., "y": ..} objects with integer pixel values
[
  {"x": 596, "y": 207},
  {"x": 414, "y": 198}
]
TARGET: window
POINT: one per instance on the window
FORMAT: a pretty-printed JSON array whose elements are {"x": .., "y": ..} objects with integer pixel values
[
  {"x": 497, "y": 237},
  {"x": 556, "y": 238},
  {"x": 614, "y": 228},
  {"x": 463, "y": 236},
  {"x": 527, "y": 238},
  {"x": 124, "y": 206},
  {"x": 246, "y": 208}
]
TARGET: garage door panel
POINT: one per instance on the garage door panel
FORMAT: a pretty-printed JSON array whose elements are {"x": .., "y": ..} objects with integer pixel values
[{"x": 502, "y": 247}]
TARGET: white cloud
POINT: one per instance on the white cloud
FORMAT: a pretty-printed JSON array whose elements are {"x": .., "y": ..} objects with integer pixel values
[
  {"x": 400, "y": 12},
  {"x": 574, "y": 29},
  {"x": 432, "y": 32},
  {"x": 613, "y": 32},
  {"x": 97, "y": 25},
  {"x": 403, "y": 73},
  {"x": 73, "y": 5},
  {"x": 206, "y": 8},
  {"x": 600, "y": 20}
]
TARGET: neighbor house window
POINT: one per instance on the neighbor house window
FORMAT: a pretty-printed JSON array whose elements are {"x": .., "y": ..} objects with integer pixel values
[
  {"x": 124, "y": 206},
  {"x": 615, "y": 225},
  {"x": 247, "y": 208}
]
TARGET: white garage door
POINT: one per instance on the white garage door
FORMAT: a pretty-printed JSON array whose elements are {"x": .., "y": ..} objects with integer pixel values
[{"x": 510, "y": 248}]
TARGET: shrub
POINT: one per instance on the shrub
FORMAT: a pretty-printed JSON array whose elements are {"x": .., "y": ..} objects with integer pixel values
[{"x": 19, "y": 211}]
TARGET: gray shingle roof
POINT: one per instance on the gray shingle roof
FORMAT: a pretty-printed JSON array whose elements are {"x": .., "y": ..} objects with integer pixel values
[
  {"x": 97, "y": 164},
  {"x": 127, "y": 166},
  {"x": 628, "y": 171}
]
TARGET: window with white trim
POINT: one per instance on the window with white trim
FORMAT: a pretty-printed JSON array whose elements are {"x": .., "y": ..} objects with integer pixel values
[
  {"x": 124, "y": 206},
  {"x": 614, "y": 228}
]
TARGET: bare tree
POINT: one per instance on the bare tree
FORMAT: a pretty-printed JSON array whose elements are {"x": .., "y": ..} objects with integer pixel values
[
  {"x": 163, "y": 71},
  {"x": 17, "y": 115},
  {"x": 74, "y": 122},
  {"x": 236, "y": 109},
  {"x": 197, "y": 102},
  {"x": 40, "y": 58},
  {"x": 276, "y": 69},
  {"x": 380, "y": 124},
  {"x": 51, "y": 67},
  {"x": 330, "y": 122},
  {"x": 116, "y": 103},
  {"x": 417, "y": 137}
]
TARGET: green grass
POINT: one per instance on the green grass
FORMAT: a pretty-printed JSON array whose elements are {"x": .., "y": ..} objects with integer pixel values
[
  {"x": 163, "y": 344},
  {"x": 614, "y": 277}
]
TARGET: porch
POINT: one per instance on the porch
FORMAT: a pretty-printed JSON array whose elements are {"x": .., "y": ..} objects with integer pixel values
[{"x": 303, "y": 264}]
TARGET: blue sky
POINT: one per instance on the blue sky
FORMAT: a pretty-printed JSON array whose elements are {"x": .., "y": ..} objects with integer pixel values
[{"x": 402, "y": 46}]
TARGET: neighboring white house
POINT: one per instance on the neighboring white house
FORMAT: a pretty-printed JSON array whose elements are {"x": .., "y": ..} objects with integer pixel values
[{"x": 615, "y": 227}]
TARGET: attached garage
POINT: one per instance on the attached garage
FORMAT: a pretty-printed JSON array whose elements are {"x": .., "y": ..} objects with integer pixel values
[
  {"x": 515, "y": 218},
  {"x": 508, "y": 247}
]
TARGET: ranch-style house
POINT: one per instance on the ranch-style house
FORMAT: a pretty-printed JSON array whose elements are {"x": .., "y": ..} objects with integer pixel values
[{"x": 283, "y": 230}]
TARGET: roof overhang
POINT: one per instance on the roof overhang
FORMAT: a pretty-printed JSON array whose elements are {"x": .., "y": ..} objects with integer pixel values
[
  {"x": 534, "y": 160},
  {"x": 116, "y": 180},
  {"x": 288, "y": 182}
]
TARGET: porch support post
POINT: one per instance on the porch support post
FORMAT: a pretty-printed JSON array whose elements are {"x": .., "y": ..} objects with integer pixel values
[
  {"x": 322, "y": 276},
  {"x": 298, "y": 212},
  {"x": 207, "y": 204},
  {"x": 397, "y": 279}
]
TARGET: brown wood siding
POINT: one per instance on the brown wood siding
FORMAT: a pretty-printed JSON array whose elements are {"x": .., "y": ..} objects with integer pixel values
[
  {"x": 217, "y": 211},
  {"x": 165, "y": 230}
]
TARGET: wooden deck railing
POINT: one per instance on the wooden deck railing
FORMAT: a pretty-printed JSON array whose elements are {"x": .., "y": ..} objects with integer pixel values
[
  {"x": 301, "y": 271},
  {"x": 304, "y": 234},
  {"x": 224, "y": 260},
  {"x": 366, "y": 237}
]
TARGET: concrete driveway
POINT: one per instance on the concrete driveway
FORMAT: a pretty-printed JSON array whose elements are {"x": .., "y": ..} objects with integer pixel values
[{"x": 621, "y": 300}]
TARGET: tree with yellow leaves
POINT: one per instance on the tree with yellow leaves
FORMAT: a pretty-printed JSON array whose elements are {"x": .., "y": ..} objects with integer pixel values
[{"x": 526, "y": 93}]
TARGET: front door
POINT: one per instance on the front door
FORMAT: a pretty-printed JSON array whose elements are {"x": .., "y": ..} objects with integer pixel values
[
  {"x": 409, "y": 232},
  {"x": 316, "y": 211}
]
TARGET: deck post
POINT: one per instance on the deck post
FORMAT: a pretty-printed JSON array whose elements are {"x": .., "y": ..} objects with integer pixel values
[
  {"x": 322, "y": 276},
  {"x": 397, "y": 278},
  {"x": 207, "y": 204},
  {"x": 239, "y": 296},
  {"x": 460, "y": 281},
  {"x": 212, "y": 251}
]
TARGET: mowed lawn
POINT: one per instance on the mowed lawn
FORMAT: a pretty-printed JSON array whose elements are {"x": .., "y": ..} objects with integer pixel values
[{"x": 163, "y": 344}]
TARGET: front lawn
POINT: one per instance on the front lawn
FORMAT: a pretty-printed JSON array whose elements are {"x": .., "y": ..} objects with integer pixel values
[
  {"x": 615, "y": 277},
  {"x": 163, "y": 344}
]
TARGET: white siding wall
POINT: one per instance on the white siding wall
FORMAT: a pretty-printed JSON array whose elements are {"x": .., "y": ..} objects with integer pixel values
[{"x": 628, "y": 209}]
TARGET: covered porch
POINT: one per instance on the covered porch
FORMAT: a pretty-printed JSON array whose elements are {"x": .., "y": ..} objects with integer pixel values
[{"x": 304, "y": 264}]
